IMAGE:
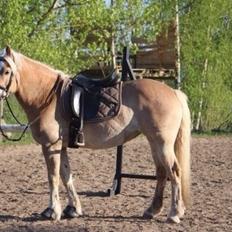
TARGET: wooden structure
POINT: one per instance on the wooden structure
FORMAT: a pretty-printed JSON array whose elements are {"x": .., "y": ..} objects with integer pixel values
[
  {"x": 161, "y": 54},
  {"x": 156, "y": 60}
]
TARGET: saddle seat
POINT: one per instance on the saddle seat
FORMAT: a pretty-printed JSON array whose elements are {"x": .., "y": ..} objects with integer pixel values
[{"x": 90, "y": 83}]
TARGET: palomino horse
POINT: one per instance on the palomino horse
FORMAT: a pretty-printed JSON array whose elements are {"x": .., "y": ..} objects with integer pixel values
[{"x": 149, "y": 107}]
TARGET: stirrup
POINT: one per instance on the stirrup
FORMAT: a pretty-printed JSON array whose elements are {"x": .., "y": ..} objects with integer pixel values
[{"x": 80, "y": 140}]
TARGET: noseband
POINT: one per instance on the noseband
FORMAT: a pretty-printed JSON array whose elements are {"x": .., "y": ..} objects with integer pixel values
[{"x": 12, "y": 65}]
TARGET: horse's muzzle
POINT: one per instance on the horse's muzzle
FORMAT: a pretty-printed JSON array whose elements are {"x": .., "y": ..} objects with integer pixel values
[{"x": 3, "y": 94}]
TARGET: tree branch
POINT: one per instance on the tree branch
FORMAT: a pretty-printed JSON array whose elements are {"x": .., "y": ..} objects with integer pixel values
[
  {"x": 70, "y": 4},
  {"x": 43, "y": 17}
]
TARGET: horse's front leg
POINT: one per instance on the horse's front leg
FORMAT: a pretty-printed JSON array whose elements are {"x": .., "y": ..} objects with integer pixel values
[
  {"x": 52, "y": 158},
  {"x": 73, "y": 208}
]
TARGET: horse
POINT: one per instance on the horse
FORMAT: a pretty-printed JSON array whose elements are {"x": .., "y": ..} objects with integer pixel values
[{"x": 149, "y": 107}]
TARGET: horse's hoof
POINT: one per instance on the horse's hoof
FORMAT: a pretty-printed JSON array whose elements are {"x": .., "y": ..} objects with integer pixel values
[
  {"x": 70, "y": 212},
  {"x": 48, "y": 213},
  {"x": 152, "y": 212},
  {"x": 147, "y": 215},
  {"x": 173, "y": 219}
]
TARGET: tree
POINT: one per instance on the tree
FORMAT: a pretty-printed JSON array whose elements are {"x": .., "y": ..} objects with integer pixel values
[{"x": 206, "y": 60}]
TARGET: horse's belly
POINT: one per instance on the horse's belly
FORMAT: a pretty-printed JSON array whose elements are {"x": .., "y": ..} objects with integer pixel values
[{"x": 113, "y": 132}]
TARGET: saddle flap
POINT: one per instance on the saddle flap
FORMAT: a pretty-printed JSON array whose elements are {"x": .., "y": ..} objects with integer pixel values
[{"x": 76, "y": 100}]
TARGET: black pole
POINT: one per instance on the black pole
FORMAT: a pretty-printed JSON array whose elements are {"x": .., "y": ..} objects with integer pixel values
[
  {"x": 116, "y": 187},
  {"x": 127, "y": 74},
  {"x": 118, "y": 173},
  {"x": 127, "y": 71},
  {"x": 124, "y": 64}
]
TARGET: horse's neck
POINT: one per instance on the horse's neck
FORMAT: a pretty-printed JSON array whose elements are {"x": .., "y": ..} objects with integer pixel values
[{"x": 35, "y": 83}]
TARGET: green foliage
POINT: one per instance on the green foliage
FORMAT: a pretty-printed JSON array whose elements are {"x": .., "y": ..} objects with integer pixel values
[{"x": 206, "y": 32}]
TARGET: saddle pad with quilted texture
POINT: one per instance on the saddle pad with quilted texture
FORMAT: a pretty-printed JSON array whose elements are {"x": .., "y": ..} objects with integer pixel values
[
  {"x": 102, "y": 103},
  {"x": 99, "y": 103}
]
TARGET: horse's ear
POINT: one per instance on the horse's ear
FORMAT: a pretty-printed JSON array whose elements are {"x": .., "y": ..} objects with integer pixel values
[{"x": 8, "y": 51}]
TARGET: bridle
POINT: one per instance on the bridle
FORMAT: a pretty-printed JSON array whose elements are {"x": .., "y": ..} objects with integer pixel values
[
  {"x": 6, "y": 88},
  {"x": 12, "y": 65}
]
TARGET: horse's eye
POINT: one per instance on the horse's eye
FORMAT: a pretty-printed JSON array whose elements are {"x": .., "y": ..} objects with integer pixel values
[{"x": 7, "y": 72}]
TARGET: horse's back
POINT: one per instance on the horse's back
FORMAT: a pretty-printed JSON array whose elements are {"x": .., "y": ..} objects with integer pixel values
[
  {"x": 155, "y": 105},
  {"x": 147, "y": 92}
]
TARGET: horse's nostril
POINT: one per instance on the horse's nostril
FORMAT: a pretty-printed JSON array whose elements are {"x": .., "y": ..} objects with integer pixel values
[{"x": 2, "y": 93}]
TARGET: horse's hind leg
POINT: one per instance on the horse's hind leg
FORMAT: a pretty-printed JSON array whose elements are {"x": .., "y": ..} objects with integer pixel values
[
  {"x": 74, "y": 206},
  {"x": 177, "y": 205},
  {"x": 157, "y": 202},
  {"x": 167, "y": 167},
  {"x": 52, "y": 158},
  {"x": 173, "y": 170}
]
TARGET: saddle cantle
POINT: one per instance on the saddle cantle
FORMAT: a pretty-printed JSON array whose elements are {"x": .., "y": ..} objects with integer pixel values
[{"x": 92, "y": 101}]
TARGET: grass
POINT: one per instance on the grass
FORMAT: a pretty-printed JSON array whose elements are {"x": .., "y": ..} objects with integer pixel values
[
  {"x": 26, "y": 139},
  {"x": 212, "y": 134}
]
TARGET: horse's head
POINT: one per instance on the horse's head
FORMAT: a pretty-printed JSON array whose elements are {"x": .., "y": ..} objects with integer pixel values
[{"x": 8, "y": 71}]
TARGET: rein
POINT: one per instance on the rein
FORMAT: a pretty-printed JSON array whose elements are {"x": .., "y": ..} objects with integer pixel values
[{"x": 21, "y": 124}]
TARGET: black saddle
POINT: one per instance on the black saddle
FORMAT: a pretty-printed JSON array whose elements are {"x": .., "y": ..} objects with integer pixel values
[{"x": 92, "y": 100}]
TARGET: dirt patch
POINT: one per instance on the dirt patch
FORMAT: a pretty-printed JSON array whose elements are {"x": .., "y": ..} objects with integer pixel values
[{"x": 24, "y": 189}]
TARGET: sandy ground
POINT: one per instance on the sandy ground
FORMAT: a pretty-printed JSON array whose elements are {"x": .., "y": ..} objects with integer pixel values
[{"x": 24, "y": 189}]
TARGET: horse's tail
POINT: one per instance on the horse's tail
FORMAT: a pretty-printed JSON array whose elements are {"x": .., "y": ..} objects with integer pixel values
[{"x": 182, "y": 148}]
